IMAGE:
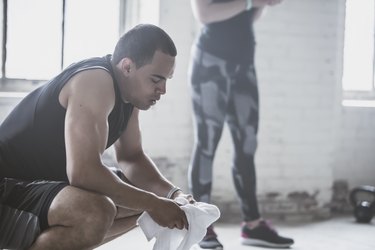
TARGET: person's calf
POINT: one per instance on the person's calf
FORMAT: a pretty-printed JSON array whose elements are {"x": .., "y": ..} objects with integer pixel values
[{"x": 121, "y": 226}]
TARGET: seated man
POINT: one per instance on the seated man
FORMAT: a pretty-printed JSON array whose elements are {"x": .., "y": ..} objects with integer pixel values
[{"x": 55, "y": 192}]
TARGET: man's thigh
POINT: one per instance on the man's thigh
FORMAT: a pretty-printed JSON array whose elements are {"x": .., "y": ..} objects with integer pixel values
[{"x": 73, "y": 206}]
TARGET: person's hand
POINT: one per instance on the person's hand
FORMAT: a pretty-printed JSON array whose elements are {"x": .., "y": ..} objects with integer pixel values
[
  {"x": 188, "y": 197},
  {"x": 167, "y": 213}
]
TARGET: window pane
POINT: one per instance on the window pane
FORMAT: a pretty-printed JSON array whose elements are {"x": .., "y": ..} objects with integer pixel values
[
  {"x": 92, "y": 28},
  {"x": 141, "y": 11},
  {"x": 34, "y": 38},
  {"x": 359, "y": 45},
  {"x": 149, "y": 11}
]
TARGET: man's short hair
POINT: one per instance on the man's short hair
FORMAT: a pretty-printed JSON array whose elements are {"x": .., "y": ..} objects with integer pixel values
[{"x": 140, "y": 43}]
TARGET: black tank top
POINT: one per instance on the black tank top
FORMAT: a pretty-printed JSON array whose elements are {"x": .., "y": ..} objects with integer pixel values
[
  {"x": 231, "y": 39},
  {"x": 32, "y": 144}
]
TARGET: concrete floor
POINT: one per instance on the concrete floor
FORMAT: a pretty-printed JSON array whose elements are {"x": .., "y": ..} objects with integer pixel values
[{"x": 341, "y": 233}]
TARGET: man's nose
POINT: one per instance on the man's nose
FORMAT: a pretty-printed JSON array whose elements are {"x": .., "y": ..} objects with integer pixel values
[{"x": 162, "y": 88}]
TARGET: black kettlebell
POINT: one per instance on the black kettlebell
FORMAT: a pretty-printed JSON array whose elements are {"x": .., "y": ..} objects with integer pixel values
[{"x": 363, "y": 201}]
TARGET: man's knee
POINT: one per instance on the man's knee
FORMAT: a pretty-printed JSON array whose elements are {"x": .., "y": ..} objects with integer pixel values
[
  {"x": 103, "y": 207},
  {"x": 98, "y": 218},
  {"x": 87, "y": 214}
]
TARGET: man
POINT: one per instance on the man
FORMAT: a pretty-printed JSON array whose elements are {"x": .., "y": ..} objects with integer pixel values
[
  {"x": 51, "y": 144},
  {"x": 225, "y": 89}
]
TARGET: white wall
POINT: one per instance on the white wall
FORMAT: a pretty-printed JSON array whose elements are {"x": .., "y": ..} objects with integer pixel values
[{"x": 354, "y": 152}]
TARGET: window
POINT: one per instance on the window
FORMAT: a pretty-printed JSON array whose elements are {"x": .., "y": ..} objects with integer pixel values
[
  {"x": 33, "y": 39},
  {"x": 142, "y": 11},
  {"x": 92, "y": 28},
  {"x": 358, "y": 68},
  {"x": 44, "y": 36}
]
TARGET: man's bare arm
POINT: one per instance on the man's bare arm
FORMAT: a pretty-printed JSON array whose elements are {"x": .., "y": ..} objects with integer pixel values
[
  {"x": 89, "y": 100},
  {"x": 88, "y": 103}
]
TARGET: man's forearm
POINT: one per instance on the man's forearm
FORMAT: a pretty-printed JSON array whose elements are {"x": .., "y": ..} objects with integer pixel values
[{"x": 143, "y": 173}]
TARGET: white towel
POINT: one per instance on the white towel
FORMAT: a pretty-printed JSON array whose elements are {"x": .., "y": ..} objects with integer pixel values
[{"x": 199, "y": 215}]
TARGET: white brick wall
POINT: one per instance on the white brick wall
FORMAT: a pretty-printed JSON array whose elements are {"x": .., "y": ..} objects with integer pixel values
[
  {"x": 296, "y": 60},
  {"x": 299, "y": 71},
  {"x": 354, "y": 151}
]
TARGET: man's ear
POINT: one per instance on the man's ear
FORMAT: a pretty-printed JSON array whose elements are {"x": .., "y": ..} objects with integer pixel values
[{"x": 126, "y": 65}]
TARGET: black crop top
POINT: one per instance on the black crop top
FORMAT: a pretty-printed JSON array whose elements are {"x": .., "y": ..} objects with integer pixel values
[{"x": 231, "y": 39}]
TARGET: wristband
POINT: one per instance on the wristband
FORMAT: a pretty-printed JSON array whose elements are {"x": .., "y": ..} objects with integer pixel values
[
  {"x": 249, "y": 4},
  {"x": 172, "y": 191}
]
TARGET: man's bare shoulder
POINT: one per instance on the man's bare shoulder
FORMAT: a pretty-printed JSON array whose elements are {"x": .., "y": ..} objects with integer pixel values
[{"x": 93, "y": 83}]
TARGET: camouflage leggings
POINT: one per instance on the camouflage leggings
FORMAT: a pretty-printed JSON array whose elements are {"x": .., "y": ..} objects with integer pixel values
[{"x": 224, "y": 91}]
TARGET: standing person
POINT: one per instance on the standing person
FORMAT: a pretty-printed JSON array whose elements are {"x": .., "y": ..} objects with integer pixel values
[
  {"x": 224, "y": 88},
  {"x": 55, "y": 191}
]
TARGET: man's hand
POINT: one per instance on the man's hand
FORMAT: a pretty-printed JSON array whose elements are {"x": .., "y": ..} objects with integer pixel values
[
  {"x": 167, "y": 213},
  {"x": 188, "y": 197}
]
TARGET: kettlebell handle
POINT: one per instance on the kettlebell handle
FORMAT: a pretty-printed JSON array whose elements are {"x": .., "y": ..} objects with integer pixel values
[{"x": 365, "y": 188}]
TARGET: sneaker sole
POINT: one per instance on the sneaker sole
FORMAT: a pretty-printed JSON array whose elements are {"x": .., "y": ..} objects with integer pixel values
[{"x": 255, "y": 242}]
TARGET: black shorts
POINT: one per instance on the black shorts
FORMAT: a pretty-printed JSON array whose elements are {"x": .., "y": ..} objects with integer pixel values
[
  {"x": 24, "y": 209},
  {"x": 34, "y": 197}
]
